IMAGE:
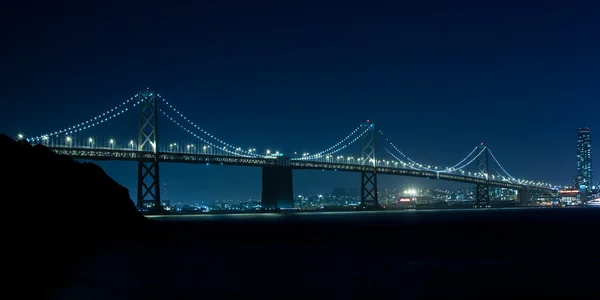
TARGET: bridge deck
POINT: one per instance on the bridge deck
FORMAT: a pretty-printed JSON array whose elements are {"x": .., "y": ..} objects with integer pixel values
[{"x": 173, "y": 157}]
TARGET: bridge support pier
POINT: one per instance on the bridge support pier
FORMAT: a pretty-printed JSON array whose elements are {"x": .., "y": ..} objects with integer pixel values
[
  {"x": 368, "y": 191},
  {"x": 524, "y": 196},
  {"x": 148, "y": 190},
  {"x": 278, "y": 185}
]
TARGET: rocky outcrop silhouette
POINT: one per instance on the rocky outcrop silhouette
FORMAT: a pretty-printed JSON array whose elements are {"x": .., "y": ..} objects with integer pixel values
[{"x": 57, "y": 209}]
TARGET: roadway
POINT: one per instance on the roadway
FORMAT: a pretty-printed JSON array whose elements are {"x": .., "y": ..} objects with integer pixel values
[{"x": 199, "y": 158}]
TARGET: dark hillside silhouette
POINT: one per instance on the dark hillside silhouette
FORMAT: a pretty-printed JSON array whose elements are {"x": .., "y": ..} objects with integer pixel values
[
  {"x": 59, "y": 213},
  {"x": 57, "y": 209}
]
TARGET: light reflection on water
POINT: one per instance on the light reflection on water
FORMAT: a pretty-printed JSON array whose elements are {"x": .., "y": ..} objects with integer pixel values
[
  {"x": 127, "y": 271},
  {"x": 343, "y": 216}
]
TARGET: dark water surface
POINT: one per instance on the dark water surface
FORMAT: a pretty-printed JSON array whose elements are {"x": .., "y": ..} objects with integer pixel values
[{"x": 507, "y": 253}]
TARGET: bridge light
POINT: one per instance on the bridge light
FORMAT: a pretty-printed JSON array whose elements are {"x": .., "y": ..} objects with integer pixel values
[
  {"x": 68, "y": 139},
  {"x": 90, "y": 140},
  {"x": 20, "y": 136},
  {"x": 111, "y": 141},
  {"x": 131, "y": 143}
]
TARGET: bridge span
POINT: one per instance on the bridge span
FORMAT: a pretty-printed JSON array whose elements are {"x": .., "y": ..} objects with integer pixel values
[{"x": 480, "y": 167}]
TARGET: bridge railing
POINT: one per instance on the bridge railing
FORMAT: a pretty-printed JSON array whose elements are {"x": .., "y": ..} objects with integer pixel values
[
  {"x": 350, "y": 161},
  {"x": 210, "y": 156}
]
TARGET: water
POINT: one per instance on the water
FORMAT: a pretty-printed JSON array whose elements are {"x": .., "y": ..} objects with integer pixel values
[{"x": 409, "y": 253}]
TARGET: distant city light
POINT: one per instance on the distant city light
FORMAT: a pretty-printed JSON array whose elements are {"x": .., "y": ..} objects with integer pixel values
[{"x": 410, "y": 192}]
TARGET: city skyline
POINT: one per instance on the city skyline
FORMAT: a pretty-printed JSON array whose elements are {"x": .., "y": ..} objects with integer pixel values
[
  {"x": 297, "y": 79},
  {"x": 584, "y": 159}
]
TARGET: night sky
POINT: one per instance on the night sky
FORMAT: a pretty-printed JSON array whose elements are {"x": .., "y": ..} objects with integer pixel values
[{"x": 437, "y": 77}]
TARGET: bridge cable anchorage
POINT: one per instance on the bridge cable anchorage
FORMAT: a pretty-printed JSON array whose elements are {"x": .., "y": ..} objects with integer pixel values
[
  {"x": 206, "y": 141},
  {"x": 332, "y": 150},
  {"x": 421, "y": 167},
  {"x": 179, "y": 114},
  {"x": 94, "y": 121}
]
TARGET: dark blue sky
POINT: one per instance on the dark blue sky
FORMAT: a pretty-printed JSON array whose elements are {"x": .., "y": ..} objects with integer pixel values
[{"x": 436, "y": 77}]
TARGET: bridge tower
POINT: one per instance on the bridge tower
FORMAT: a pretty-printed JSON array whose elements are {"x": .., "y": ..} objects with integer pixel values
[
  {"x": 368, "y": 184},
  {"x": 482, "y": 193},
  {"x": 148, "y": 187}
]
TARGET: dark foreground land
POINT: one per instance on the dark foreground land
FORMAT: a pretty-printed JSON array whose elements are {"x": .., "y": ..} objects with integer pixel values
[
  {"x": 79, "y": 236},
  {"x": 506, "y": 253}
]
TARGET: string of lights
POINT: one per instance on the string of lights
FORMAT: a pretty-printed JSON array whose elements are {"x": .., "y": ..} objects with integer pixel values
[
  {"x": 195, "y": 126},
  {"x": 445, "y": 171},
  {"x": 94, "y": 121},
  {"x": 501, "y": 168},
  {"x": 398, "y": 159},
  {"x": 438, "y": 169},
  {"x": 421, "y": 166},
  {"x": 330, "y": 150},
  {"x": 472, "y": 160},
  {"x": 224, "y": 149},
  {"x": 463, "y": 160},
  {"x": 500, "y": 175}
]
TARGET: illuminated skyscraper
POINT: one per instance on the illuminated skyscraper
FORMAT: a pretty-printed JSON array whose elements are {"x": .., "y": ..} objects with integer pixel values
[{"x": 584, "y": 159}]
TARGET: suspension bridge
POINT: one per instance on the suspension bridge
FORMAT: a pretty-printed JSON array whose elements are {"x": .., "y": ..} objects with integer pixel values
[{"x": 479, "y": 167}]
